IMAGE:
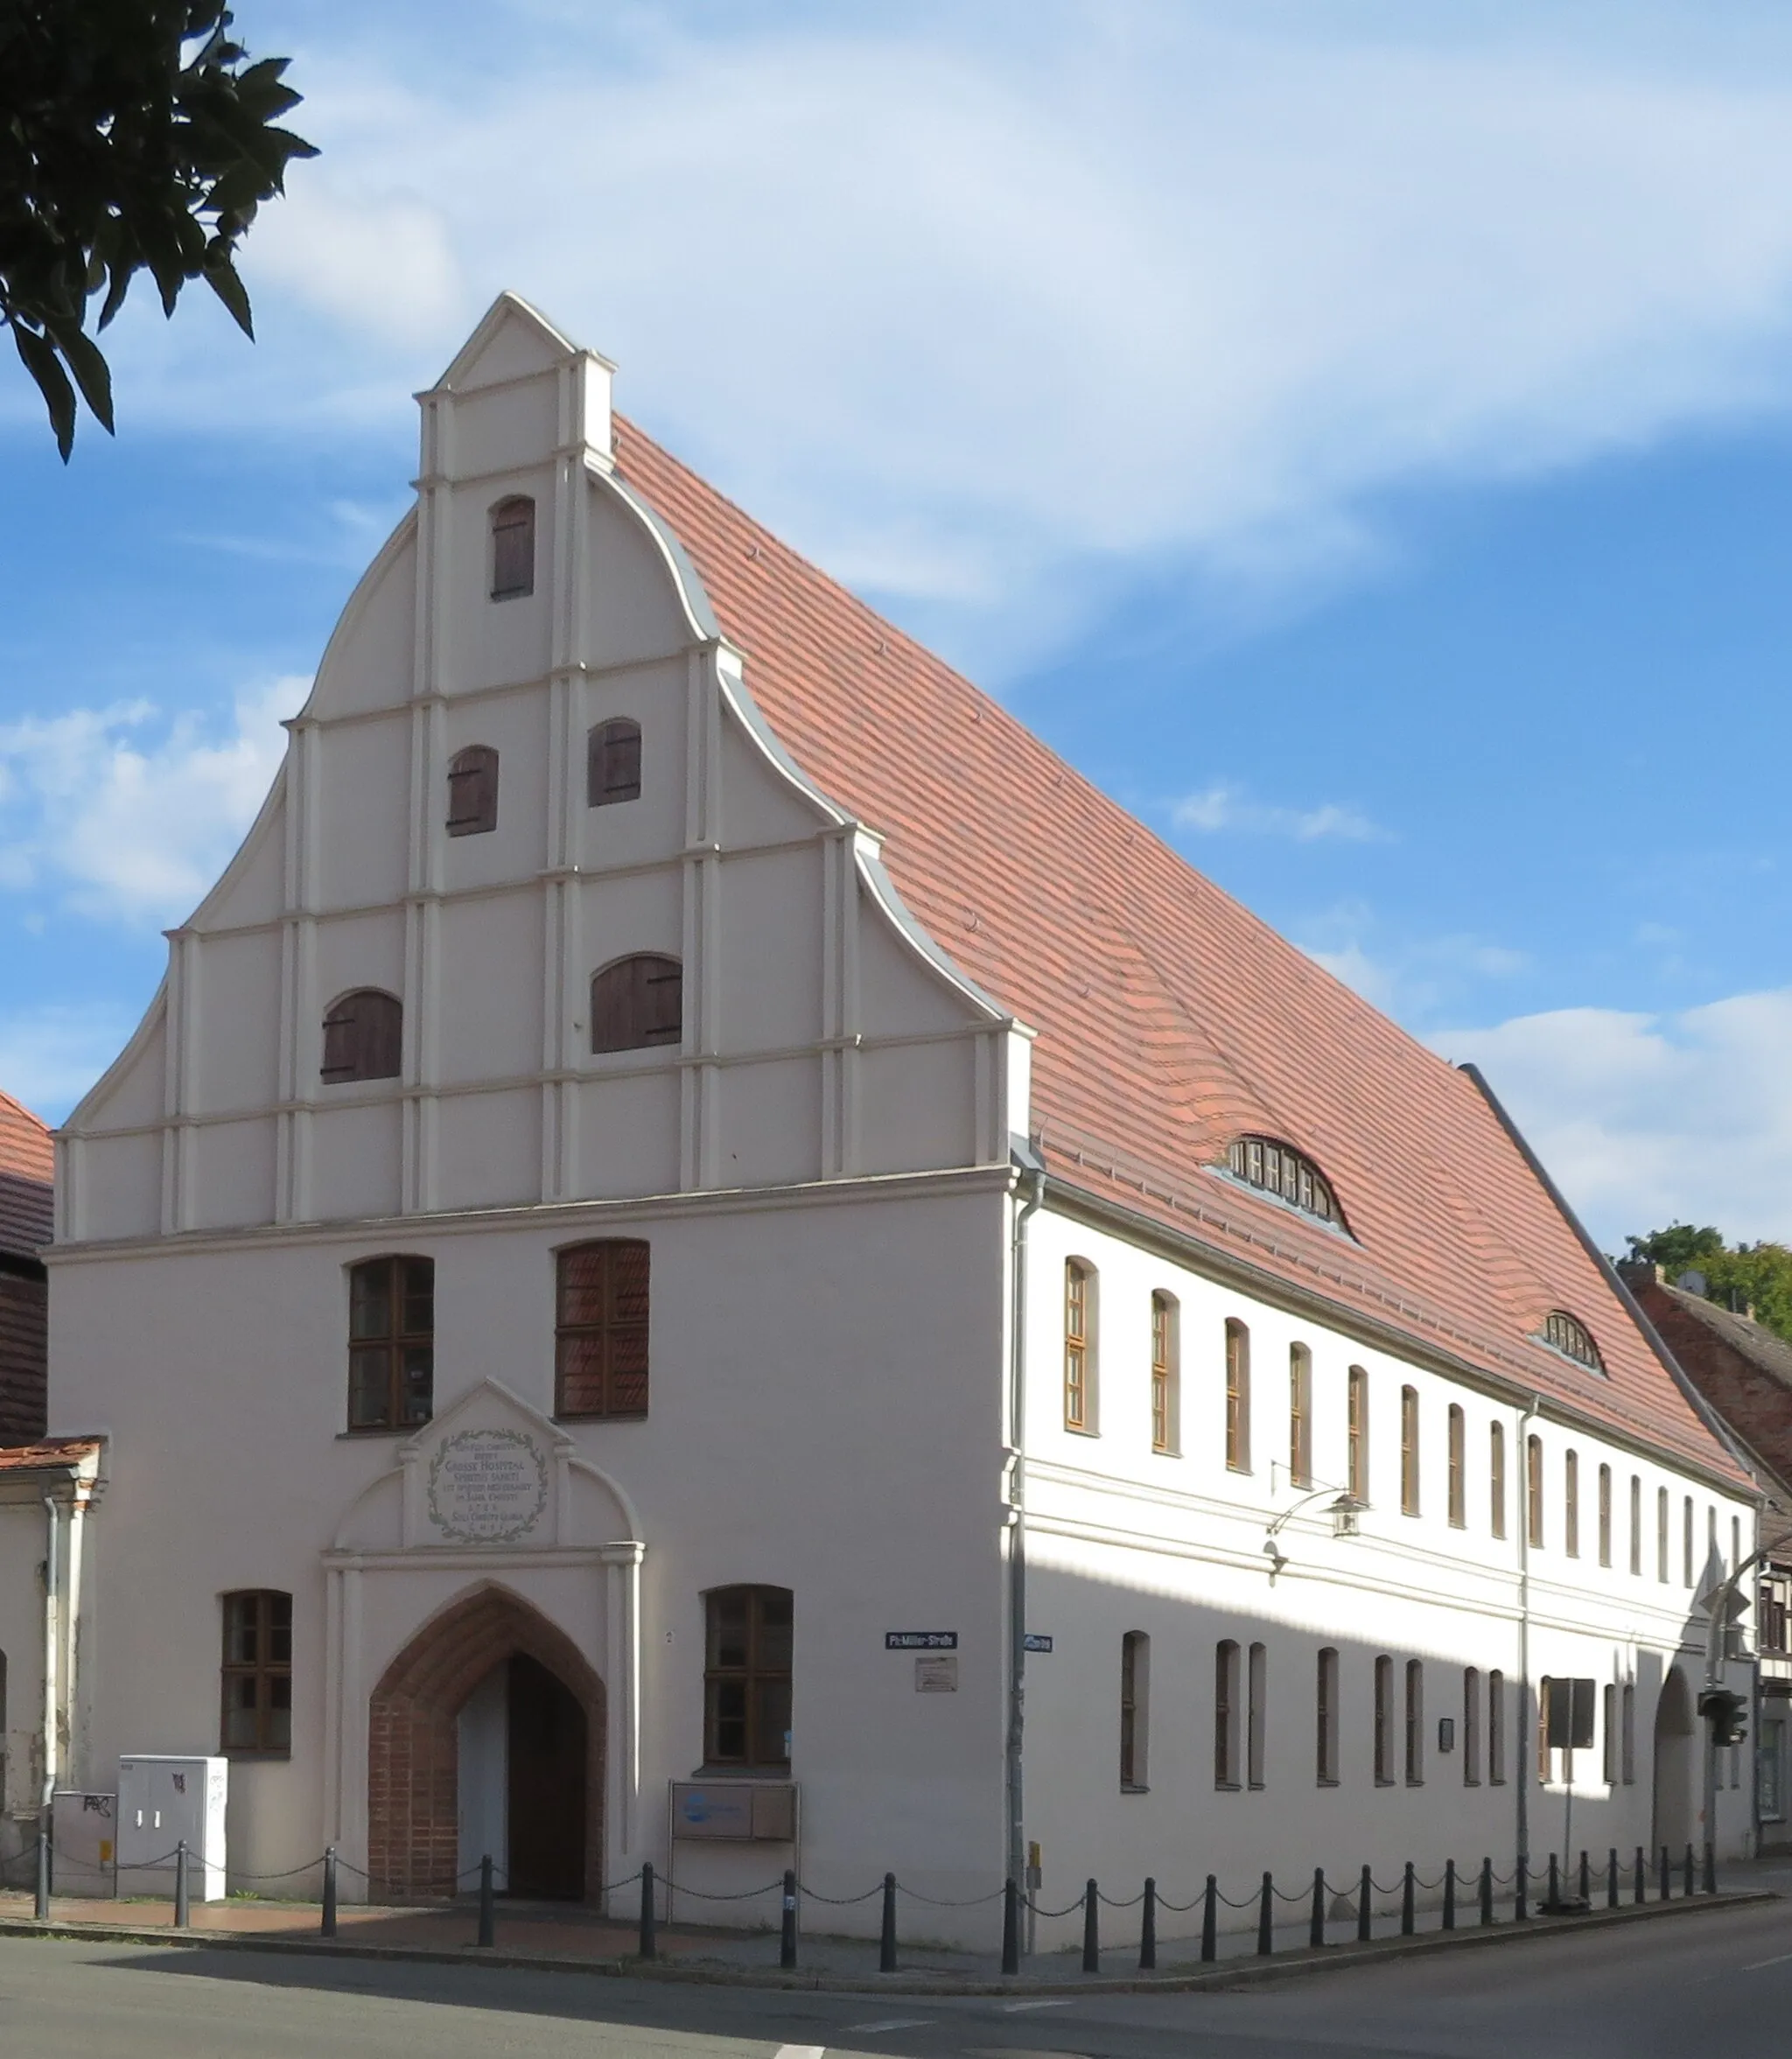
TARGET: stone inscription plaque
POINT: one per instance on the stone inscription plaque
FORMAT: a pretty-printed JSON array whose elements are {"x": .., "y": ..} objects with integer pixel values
[{"x": 488, "y": 1486}]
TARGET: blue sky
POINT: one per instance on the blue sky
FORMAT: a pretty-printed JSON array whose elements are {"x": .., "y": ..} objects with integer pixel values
[{"x": 1359, "y": 435}]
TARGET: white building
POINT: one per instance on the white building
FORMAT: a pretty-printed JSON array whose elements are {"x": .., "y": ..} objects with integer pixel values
[{"x": 545, "y": 1273}]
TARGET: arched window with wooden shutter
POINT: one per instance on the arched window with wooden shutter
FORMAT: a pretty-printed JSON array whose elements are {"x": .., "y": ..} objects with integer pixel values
[
  {"x": 600, "y": 1329},
  {"x": 612, "y": 762},
  {"x": 513, "y": 548},
  {"x": 363, "y": 1036},
  {"x": 636, "y": 1003},
  {"x": 473, "y": 791}
]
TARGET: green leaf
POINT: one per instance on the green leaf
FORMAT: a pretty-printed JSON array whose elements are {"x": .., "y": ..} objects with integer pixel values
[
  {"x": 223, "y": 281},
  {"x": 91, "y": 371},
  {"x": 41, "y": 362}
]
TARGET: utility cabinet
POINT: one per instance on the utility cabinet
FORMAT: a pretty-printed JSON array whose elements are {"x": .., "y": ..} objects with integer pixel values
[{"x": 166, "y": 1801}]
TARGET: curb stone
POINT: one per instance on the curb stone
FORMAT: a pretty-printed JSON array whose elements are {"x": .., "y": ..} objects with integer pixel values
[{"x": 1233, "y": 1973}]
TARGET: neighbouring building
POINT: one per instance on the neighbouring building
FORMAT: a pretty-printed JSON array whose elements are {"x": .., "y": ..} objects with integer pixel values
[
  {"x": 27, "y": 1165},
  {"x": 1744, "y": 1371},
  {"x": 696, "y": 1207}
]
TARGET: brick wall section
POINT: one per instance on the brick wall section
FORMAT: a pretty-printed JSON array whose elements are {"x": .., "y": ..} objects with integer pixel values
[
  {"x": 413, "y": 1813},
  {"x": 24, "y": 1347},
  {"x": 1743, "y": 1370}
]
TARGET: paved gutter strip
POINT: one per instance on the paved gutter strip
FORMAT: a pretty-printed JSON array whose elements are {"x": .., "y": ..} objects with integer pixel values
[{"x": 1226, "y": 1973}]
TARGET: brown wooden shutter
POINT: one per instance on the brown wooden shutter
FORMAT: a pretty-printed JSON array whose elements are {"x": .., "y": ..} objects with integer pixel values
[
  {"x": 637, "y": 1002},
  {"x": 342, "y": 1041},
  {"x": 612, "y": 762},
  {"x": 473, "y": 791},
  {"x": 513, "y": 548}
]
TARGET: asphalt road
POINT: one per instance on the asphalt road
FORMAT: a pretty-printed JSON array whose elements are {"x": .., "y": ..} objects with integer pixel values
[{"x": 1716, "y": 1982}]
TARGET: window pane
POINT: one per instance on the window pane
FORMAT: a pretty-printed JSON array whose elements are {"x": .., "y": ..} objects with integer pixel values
[
  {"x": 583, "y": 1274},
  {"x": 419, "y": 1383},
  {"x": 728, "y": 1719},
  {"x": 728, "y": 1629},
  {"x": 773, "y": 1722},
  {"x": 628, "y": 1371},
  {"x": 579, "y": 1359},
  {"x": 419, "y": 1297},
  {"x": 369, "y": 1388},
  {"x": 370, "y": 1300},
  {"x": 280, "y": 1630},
  {"x": 279, "y": 1717},
  {"x": 775, "y": 1636},
  {"x": 240, "y": 1644},
  {"x": 240, "y": 1728}
]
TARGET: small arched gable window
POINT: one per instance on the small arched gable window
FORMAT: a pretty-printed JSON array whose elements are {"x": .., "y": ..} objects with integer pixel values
[
  {"x": 363, "y": 1036},
  {"x": 638, "y": 1002},
  {"x": 612, "y": 762},
  {"x": 513, "y": 548},
  {"x": 1278, "y": 1169},
  {"x": 1565, "y": 1333},
  {"x": 473, "y": 791}
]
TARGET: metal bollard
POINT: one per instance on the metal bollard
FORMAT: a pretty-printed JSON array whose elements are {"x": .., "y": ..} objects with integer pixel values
[
  {"x": 1091, "y": 1929},
  {"x": 1640, "y": 1891},
  {"x": 1011, "y": 1927},
  {"x": 1365, "y": 1908},
  {"x": 1555, "y": 1899},
  {"x": 648, "y": 1944},
  {"x": 1148, "y": 1927},
  {"x": 1520, "y": 1889},
  {"x": 886, "y": 1936},
  {"x": 1585, "y": 1882},
  {"x": 1407, "y": 1899},
  {"x": 1210, "y": 1919},
  {"x": 182, "y": 1910},
  {"x": 488, "y": 1906},
  {"x": 1266, "y": 1919},
  {"x": 1711, "y": 1867},
  {"x": 1316, "y": 1926},
  {"x": 1449, "y": 1895},
  {"x": 1612, "y": 1878},
  {"x": 1487, "y": 1890},
  {"x": 42, "y": 1908},
  {"x": 1687, "y": 1875},
  {"x": 1664, "y": 1876},
  {"x": 787, "y": 1937},
  {"x": 328, "y": 1927}
]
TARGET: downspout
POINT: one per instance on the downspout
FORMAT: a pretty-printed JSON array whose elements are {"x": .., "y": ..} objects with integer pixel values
[
  {"x": 53, "y": 1639},
  {"x": 1015, "y": 1514},
  {"x": 1532, "y": 1412}
]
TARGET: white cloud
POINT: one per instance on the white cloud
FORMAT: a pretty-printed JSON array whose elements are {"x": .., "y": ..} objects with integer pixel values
[
  {"x": 1412, "y": 976},
  {"x": 969, "y": 299},
  {"x": 51, "y": 1055},
  {"x": 1642, "y": 1118},
  {"x": 124, "y": 815},
  {"x": 1225, "y": 807}
]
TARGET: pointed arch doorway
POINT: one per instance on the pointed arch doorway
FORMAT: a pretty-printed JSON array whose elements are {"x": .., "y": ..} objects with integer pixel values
[{"x": 487, "y": 1731}]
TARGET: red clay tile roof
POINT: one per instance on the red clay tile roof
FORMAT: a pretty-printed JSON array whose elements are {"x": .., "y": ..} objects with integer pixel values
[
  {"x": 27, "y": 1167},
  {"x": 1169, "y": 1019},
  {"x": 47, "y": 1452}
]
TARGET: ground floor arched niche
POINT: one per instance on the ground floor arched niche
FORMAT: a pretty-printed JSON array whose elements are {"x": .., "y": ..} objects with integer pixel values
[
  {"x": 491, "y": 1674},
  {"x": 1676, "y": 1764}
]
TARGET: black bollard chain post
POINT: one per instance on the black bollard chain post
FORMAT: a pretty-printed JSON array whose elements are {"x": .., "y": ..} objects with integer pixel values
[
  {"x": 648, "y": 1944},
  {"x": 787, "y": 1937},
  {"x": 1612, "y": 1878},
  {"x": 183, "y": 1909},
  {"x": 886, "y": 1936},
  {"x": 1148, "y": 1927},
  {"x": 41, "y": 1909},
  {"x": 1664, "y": 1880},
  {"x": 1210, "y": 1919},
  {"x": 1407, "y": 1901},
  {"x": 1687, "y": 1875},
  {"x": 488, "y": 1905},
  {"x": 1266, "y": 1919},
  {"x": 1585, "y": 1882},
  {"x": 1011, "y": 1927},
  {"x": 1555, "y": 1899},
  {"x": 1316, "y": 1926},
  {"x": 328, "y": 1927},
  {"x": 1487, "y": 1890},
  {"x": 1091, "y": 1929},
  {"x": 1520, "y": 1889},
  {"x": 1449, "y": 1895},
  {"x": 1711, "y": 1867},
  {"x": 1365, "y": 1908}
]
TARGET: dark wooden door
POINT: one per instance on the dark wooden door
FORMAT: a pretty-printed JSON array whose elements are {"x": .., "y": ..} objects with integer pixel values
[{"x": 548, "y": 1750}]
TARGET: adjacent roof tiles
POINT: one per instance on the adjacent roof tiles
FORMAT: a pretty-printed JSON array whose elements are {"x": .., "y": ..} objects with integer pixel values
[
  {"x": 1169, "y": 1019},
  {"x": 27, "y": 1167}
]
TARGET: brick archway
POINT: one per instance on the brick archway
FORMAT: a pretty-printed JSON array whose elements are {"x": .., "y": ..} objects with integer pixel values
[{"x": 413, "y": 1774}]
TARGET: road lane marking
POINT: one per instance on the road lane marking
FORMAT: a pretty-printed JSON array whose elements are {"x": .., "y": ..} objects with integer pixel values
[
  {"x": 893, "y": 2023},
  {"x": 1759, "y": 1963},
  {"x": 800, "y": 2052},
  {"x": 1014, "y": 2009}
]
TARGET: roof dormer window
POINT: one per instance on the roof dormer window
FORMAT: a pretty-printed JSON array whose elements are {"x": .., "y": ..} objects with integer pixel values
[
  {"x": 1565, "y": 1333},
  {"x": 1278, "y": 1169}
]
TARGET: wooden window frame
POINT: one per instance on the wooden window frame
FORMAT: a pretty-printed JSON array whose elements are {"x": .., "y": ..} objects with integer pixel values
[
  {"x": 1471, "y": 1726},
  {"x": 1457, "y": 1438},
  {"x": 1570, "y": 1503},
  {"x": 1135, "y": 1711},
  {"x": 1357, "y": 1433},
  {"x": 1605, "y": 1516},
  {"x": 1686, "y": 1542},
  {"x": 1533, "y": 1530},
  {"x": 397, "y": 1361},
  {"x": 637, "y": 1004},
  {"x": 1409, "y": 1451},
  {"x": 1609, "y": 1712},
  {"x": 1079, "y": 1346},
  {"x": 1384, "y": 1721},
  {"x": 268, "y": 1675},
  {"x": 1570, "y": 1336},
  {"x": 1496, "y": 1728},
  {"x": 761, "y": 1671},
  {"x": 1167, "y": 1381},
  {"x": 612, "y": 762},
  {"x": 1276, "y": 1168},
  {"x": 1256, "y": 1715},
  {"x": 1627, "y": 1749},
  {"x": 1226, "y": 1712},
  {"x": 1300, "y": 1415},
  {"x": 621, "y": 1330},
  {"x": 1663, "y": 1522},
  {"x": 363, "y": 1037},
  {"x": 1496, "y": 1479},
  {"x": 1237, "y": 1395},
  {"x": 1545, "y": 1754},
  {"x": 473, "y": 791},
  {"x": 1325, "y": 1716},
  {"x": 512, "y": 560},
  {"x": 1414, "y": 1753}
]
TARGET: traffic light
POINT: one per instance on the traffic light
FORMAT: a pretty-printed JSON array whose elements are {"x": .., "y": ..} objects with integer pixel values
[{"x": 1725, "y": 1711}]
